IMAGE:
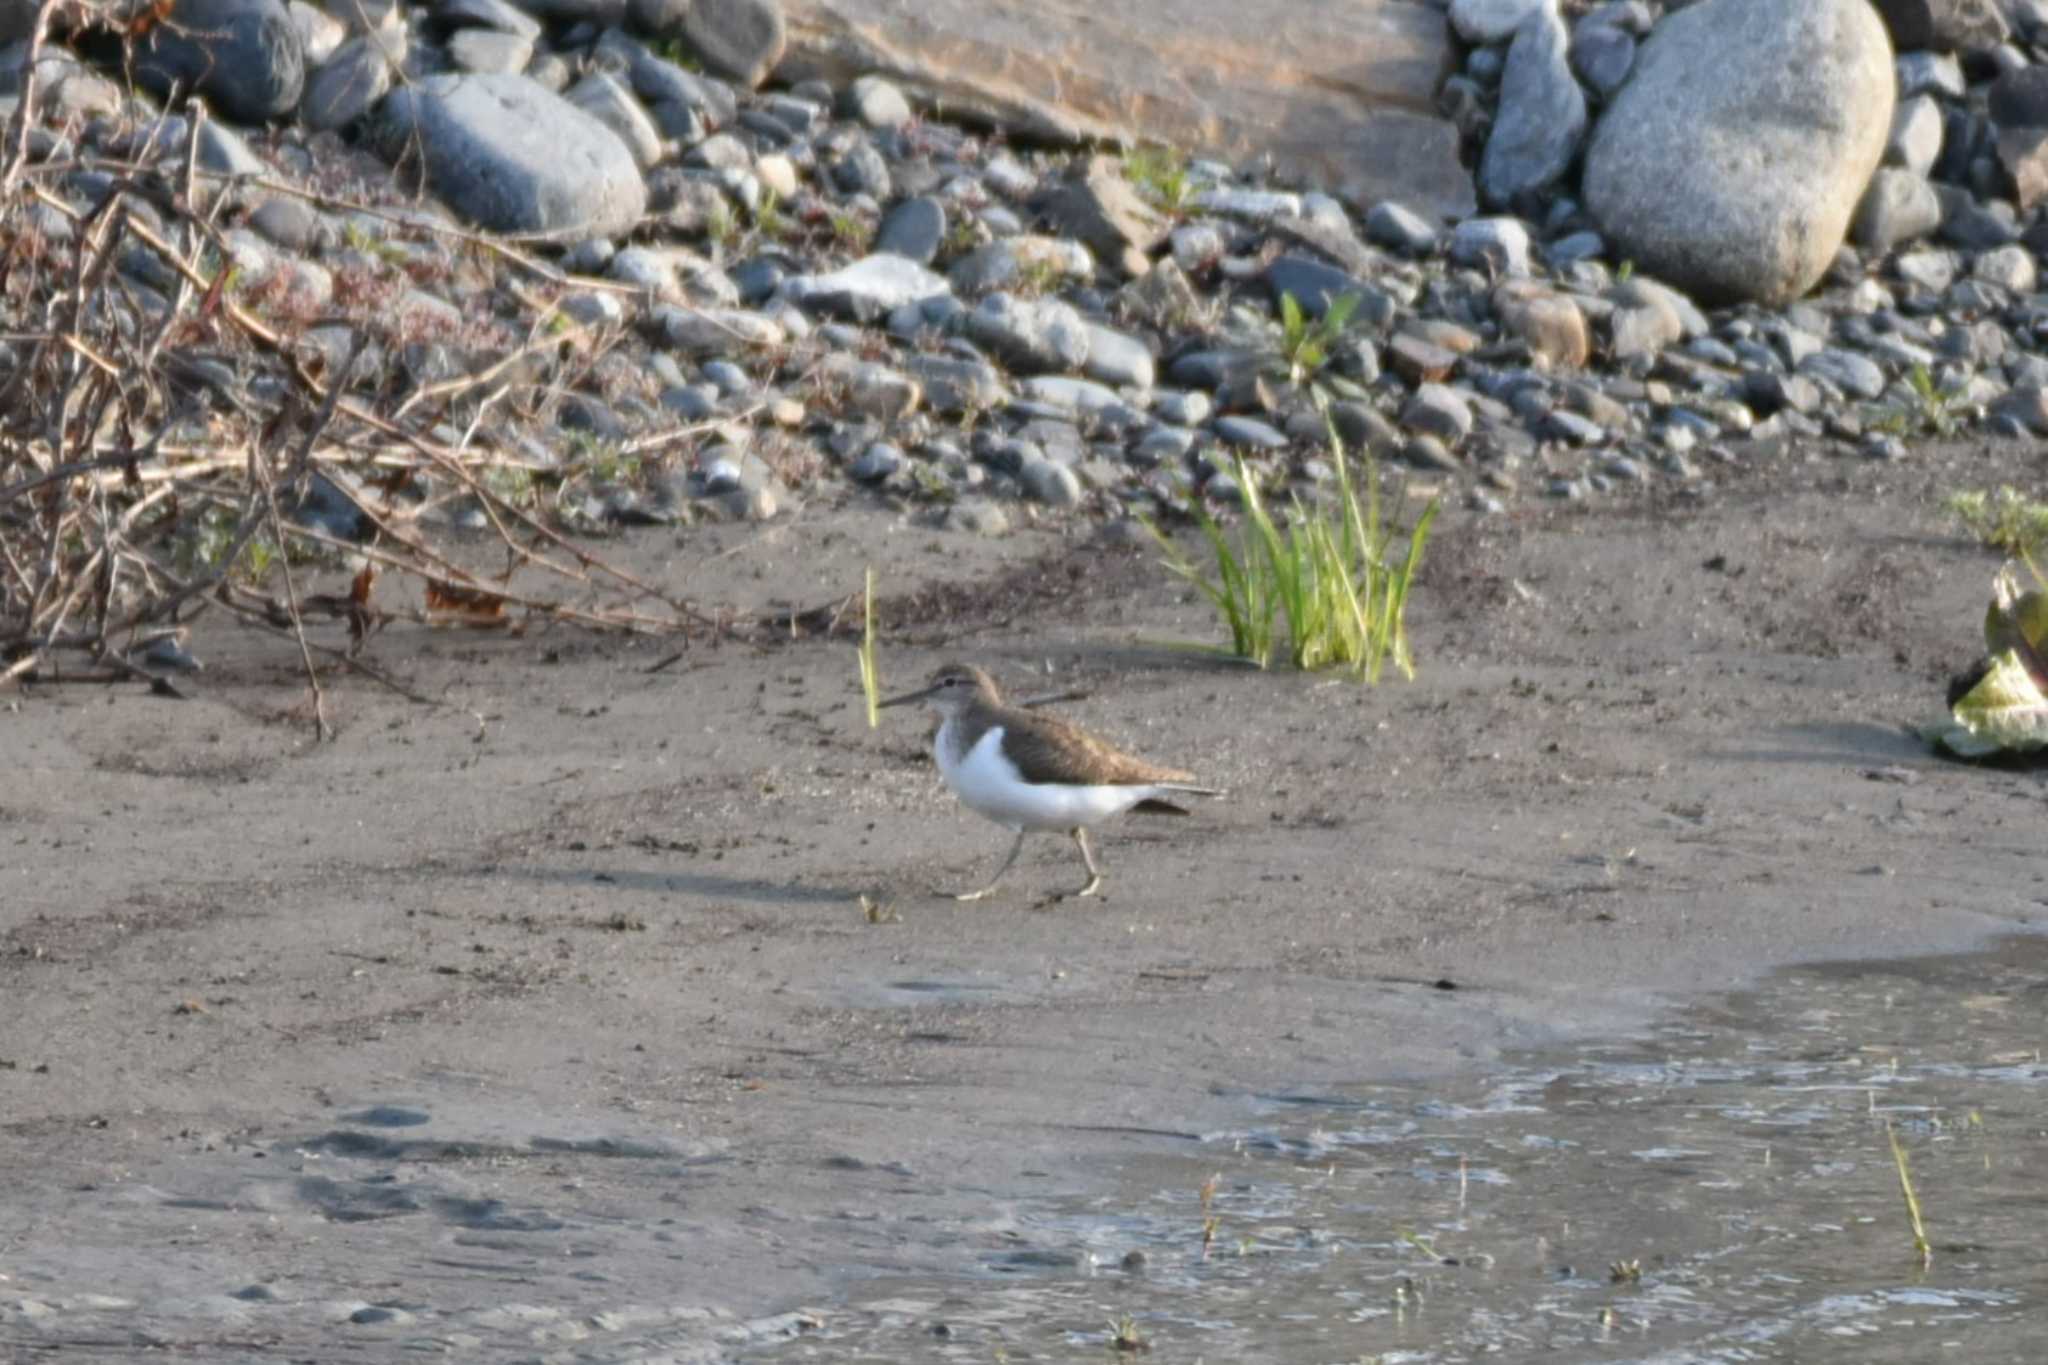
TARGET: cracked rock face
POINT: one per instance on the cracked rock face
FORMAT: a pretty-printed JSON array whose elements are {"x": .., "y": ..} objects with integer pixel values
[{"x": 1331, "y": 91}]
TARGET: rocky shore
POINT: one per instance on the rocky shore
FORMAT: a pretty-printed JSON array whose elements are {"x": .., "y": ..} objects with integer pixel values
[{"x": 723, "y": 293}]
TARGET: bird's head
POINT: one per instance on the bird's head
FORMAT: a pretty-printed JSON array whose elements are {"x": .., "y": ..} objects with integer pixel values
[{"x": 952, "y": 688}]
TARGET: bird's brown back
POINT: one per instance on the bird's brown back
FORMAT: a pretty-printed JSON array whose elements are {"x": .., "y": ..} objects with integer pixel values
[{"x": 1048, "y": 749}]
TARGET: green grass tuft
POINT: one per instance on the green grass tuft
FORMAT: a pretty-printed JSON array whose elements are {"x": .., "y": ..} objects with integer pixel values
[
  {"x": 1306, "y": 343},
  {"x": 1162, "y": 174},
  {"x": 1328, "y": 591},
  {"x": 2007, "y": 521},
  {"x": 1925, "y": 409}
]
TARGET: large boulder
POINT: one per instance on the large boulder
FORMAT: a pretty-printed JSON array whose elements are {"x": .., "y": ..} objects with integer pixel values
[
  {"x": 512, "y": 156},
  {"x": 1337, "y": 93},
  {"x": 1732, "y": 161}
]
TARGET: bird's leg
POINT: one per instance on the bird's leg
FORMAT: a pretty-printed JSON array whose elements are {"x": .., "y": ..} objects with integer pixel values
[
  {"x": 1088, "y": 857},
  {"x": 1015, "y": 849}
]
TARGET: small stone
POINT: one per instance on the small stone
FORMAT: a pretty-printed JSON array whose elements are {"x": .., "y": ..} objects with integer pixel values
[
  {"x": 1491, "y": 21},
  {"x": 1251, "y": 432},
  {"x": 1967, "y": 222},
  {"x": 1899, "y": 206},
  {"x": 2025, "y": 406},
  {"x": 2023, "y": 153},
  {"x": 1933, "y": 73},
  {"x": 292, "y": 223},
  {"x": 1499, "y": 244},
  {"x": 1916, "y": 135},
  {"x": 1066, "y": 394},
  {"x": 2009, "y": 267},
  {"x": 1541, "y": 119},
  {"x": 1855, "y": 375},
  {"x": 977, "y": 516},
  {"x": 863, "y": 170},
  {"x": 1118, "y": 358},
  {"x": 1196, "y": 246},
  {"x": 1549, "y": 324},
  {"x": 872, "y": 390},
  {"x": 1400, "y": 228},
  {"x": 1161, "y": 444},
  {"x": 1603, "y": 54},
  {"x": 1773, "y": 392},
  {"x": 1031, "y": 335},
  {"x": 346, "y": 86},
  {"x": 1185, "y": 408},
  {"x": 877, "y": 462},
  {"x": 868, "y": 289},
  {"x": 713, "y": 331},
  {"x": 877, "y": 103},
  {"x": 1313, "y": 285},
  {"x": 605, "y": 98},
  {"x": 741, "y": 40},
  {"x": 691, "y": 402},
  {"x": 1256, "y": 206},
  {"x": 1361, "y": 427},
  {"x": 730, "y": 379},
  {"x": 2019, "y": 99},
  {"x": 488, "y": 49},
  {"x": 245, "y": 56},
  {"x": 1419, "y": 361},
  {"x": 1440, "y": 411},
  {"x": 914, "y": 229},
  {"x": 1641, "y": 330},
  {"x": 1943, "y": 25},
  {"x": 953, "y": 385},
  {"x": 1572, "y": 429},
  {"x": 1427, "y": 452},
  {"x": 1053, "y": 484},
  {"x": 1101, "y": 209}
]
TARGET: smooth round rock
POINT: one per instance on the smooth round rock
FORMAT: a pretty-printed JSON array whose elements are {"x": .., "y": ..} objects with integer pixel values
[
  {"x": 246, "y": 56},
  {"x": 1733, "y": 160},
  {"x": 513, "y": 156}
]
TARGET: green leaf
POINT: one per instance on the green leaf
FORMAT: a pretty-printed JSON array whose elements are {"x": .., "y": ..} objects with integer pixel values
[{"x": 2004, "y": 713}]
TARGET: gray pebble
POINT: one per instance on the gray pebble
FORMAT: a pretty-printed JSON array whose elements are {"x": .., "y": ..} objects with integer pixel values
[
  {"x": 877, "y": 462},
  {"x": 1238, "y": 430}
]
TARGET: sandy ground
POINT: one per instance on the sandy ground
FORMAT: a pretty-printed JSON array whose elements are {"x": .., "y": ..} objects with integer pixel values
[{"x": 549, "y": 1014}]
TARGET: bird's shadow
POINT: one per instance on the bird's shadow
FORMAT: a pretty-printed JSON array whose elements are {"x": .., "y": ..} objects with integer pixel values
[{"x": 1834, "y": 742}]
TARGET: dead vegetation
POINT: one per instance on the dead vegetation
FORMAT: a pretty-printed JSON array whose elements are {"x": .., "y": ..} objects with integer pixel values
[{"x": 176, "y": 438}]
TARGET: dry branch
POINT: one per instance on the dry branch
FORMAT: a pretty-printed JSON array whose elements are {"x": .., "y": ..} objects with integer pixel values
[{"x": 165, "y": 427}]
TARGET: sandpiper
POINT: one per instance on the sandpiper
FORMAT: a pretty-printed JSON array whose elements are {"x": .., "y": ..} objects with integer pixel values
[{"x": 1026, "y": 770}]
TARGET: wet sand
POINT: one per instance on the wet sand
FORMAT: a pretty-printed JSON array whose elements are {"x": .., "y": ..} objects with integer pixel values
[{"x": 549, "y": 1015}]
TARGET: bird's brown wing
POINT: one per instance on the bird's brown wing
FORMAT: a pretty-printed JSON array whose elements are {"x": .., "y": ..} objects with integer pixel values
[{"x": 1048, "y": 749}]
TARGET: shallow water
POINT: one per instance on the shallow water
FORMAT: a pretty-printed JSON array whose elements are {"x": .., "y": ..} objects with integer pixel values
[{"x": 1721, "y": 1189}]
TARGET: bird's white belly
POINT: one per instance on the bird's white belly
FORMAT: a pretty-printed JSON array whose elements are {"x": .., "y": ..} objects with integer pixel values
[{"x": 989, "y": 784}]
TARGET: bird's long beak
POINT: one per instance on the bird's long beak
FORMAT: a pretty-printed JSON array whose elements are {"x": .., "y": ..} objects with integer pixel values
[{"x": 907, "y": 698}]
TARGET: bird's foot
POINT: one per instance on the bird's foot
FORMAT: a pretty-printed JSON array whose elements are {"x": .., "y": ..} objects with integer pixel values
[
  {"x": 1094, "y": 885},
  {"x": 982, "y": 894}
]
